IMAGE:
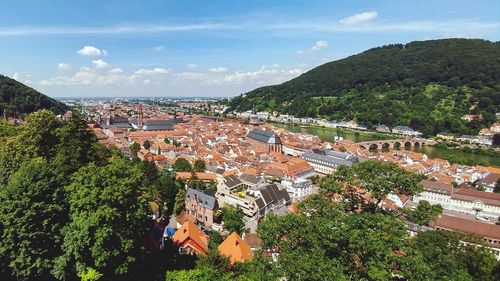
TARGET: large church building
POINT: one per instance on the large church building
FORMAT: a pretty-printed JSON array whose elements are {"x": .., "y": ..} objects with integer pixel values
[{"x": 267, "y": 138}]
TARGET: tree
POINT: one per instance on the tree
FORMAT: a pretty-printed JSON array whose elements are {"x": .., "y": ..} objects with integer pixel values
[
  {"x": 199, "y": 166},
  {"x": 146, "y": 145},
  {"x": 167, "y": 191},
  {"x": 378, "y": 178},
  {"x": 108, "y": 220},
  {"x": 134, "y": 148},
  {"x": 33, "y": 212},
  {"x": 233, "y": 219},
  {"x": 425, "y": 213},
  {"x": 37, "y": 137},
  {"x": 77, "y": 146},
  {"x": 90, "y": 275},
  {"x": 182, "y": 165},
  {"x": 180, "y": 199},
  {"x": 451, "y": 259},
  {"x": 496, "y": 139},
  {"x": 323, "y": 242}
]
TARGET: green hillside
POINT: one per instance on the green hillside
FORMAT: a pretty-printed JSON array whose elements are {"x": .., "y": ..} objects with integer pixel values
[
  {"x": 18, "y": 99},
  {"x": 427, "y": 85}
]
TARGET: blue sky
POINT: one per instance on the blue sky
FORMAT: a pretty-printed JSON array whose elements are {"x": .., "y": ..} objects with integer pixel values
[{"x": 210, "y": 48}]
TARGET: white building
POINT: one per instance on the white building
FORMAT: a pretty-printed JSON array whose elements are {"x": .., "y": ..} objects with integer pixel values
[
  {"x": 464, "y": 200},
  {"x": 327, "y": 161},
  {"x": 297, "y": 188},
  {"x": 405, "y": 130}
]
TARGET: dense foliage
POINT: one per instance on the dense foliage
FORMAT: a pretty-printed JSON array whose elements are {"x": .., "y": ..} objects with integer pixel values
[
  {"x": 71, "y": 209},
  {"x": 18, "y": 99},
  {"x": 427, "y": 85}
]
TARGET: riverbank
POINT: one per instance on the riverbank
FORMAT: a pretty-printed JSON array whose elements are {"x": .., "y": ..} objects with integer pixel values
[
  {"x": 347, "y": 133},
  {"x": 459, "y": 156}
]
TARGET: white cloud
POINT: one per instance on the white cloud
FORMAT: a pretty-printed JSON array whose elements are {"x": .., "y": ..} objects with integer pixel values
[
  {"x": 116, "y": 70},
  {"x": 319, "y": 45},
  {"x": 159, "y": 48},
  {"x": 359, "y": 18},
  {"x": 218, "y": 69},
  {"x": 64, "y": 66},
  {"x": 191, "y": 66},
  {"x": 100, "y": 64},
  {"x": 91, "y": 51},
  {"x": 16, "y": 76},
  {"x": 156, "y": 70},
  {"x": 291, "y": 27}
]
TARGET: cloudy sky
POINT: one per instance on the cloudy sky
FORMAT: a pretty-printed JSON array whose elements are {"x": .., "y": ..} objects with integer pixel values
[{"x": 210, "y": 48}]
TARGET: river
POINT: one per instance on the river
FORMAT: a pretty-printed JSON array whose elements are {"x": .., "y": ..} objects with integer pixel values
[{"x": 431, "y": 151}]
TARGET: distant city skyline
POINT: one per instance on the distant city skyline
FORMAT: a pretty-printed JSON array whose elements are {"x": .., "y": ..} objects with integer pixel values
[{"x": 216, "y": 49}]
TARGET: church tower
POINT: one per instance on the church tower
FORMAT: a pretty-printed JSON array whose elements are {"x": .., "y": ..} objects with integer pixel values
[{"x": 139, "y": 116}]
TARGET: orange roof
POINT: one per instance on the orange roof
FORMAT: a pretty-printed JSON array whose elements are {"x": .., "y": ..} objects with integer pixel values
[
  {"x": 199, "y": 175},
  {"x": 190, "y": 236},
  {"x": 236, "y": 249}
]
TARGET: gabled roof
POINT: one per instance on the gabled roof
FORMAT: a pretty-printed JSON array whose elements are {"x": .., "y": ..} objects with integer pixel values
[
  {"x": 437, "y": 186},
  {"x": 271, "y": 194},
  {"x": 204, "y": 198},
  {"x": 189, "y": 235},
  {"x": 232, "y": 181},
  {"x": 236, "y": 249},
  {"x": 265, "y": 136}
]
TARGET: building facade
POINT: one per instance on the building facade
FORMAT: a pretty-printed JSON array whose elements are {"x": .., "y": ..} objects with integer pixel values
[
  {"x": 327, "y": 161},
  {"x": 265, "y": 138}
]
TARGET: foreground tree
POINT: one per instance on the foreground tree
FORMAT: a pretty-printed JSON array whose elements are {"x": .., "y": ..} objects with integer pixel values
[
  {"x": 323, "y": 242},
  {"x": 107, "y": 220},
  {"x": 36, "y": 138},
  {"x": 451, "y": 259},
  {"x": 33, "y": 212}
]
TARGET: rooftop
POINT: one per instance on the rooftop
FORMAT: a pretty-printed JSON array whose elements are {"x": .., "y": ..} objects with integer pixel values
[{"x": 265, "y": 136}]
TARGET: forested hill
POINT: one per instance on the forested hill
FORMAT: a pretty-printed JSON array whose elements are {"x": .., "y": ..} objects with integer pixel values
[
  {"x": 428, "y": 85},
  {"x": 18, "y": 99}
]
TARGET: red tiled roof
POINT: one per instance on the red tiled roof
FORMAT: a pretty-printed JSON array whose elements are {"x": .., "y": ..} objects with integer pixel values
[{"x": 470, "y": 226}]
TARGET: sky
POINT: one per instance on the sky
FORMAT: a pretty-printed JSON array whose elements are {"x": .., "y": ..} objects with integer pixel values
[{"x": 120, "y": 48}]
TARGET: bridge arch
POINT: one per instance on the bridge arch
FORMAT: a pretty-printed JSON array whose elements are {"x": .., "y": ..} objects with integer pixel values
[
  {"x": 386, "y": 145},
  {"x": 373, "y": 146},
  {"x": 396, "y": 144},
  {"x": 416, "y": 143},
  {"x": 407, "y": 144}
]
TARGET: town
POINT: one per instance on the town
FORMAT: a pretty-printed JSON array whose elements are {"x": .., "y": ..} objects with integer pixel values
[{"x": 261, "y": 169}]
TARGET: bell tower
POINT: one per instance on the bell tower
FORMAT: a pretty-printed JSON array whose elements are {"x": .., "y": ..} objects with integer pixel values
[{"x": 139, "y": 116}]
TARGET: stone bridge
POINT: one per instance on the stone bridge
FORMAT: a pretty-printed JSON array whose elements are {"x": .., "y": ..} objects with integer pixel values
[{"x": 387, "y": 144}]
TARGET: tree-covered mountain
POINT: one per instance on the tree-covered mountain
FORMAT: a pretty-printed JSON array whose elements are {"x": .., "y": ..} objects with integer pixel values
[
  {"x": 18, "y": 99},
  {"x": 427, "y": 85}
]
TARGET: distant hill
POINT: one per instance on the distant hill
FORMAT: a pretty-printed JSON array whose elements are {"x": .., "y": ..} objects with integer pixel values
[
  {"x": 428, "y": 85},
  {"x": 18, "y": 99}
]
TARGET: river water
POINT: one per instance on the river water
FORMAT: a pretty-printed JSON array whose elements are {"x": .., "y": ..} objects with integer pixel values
[{"x": 431, "y": 151}]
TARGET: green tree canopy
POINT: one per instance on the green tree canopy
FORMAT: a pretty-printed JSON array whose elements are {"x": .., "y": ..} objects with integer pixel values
[
  {"x": 33, "y": 211},
  {"x": 107, "y": 220},
  {"x": 425, "y": 213},
  {"x": 199, "y": 165},
  {"x": 182, "y": 165},
  {"x": 233, "y": 219}
]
